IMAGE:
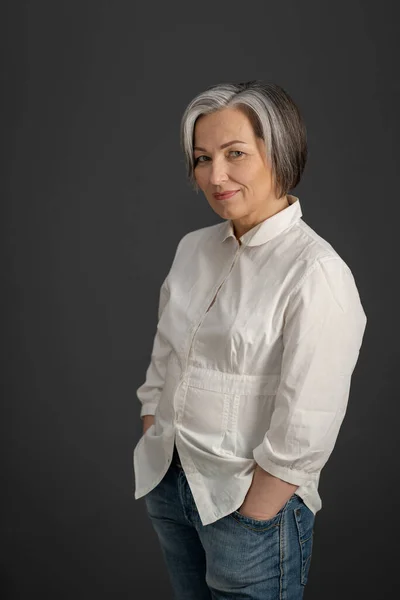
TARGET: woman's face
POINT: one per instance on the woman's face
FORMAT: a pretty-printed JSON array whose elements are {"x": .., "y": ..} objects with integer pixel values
[{"x": 221, "y": 166}]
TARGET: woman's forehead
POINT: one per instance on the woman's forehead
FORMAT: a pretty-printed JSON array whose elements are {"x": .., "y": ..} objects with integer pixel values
[{"x": 221, "y": 127}]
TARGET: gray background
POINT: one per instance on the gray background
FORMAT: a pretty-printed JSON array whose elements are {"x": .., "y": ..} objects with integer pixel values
[{"x": 94, "y": 201}]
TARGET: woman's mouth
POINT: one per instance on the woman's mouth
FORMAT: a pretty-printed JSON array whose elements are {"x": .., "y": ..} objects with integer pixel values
[{"x": 225, "y": 195}]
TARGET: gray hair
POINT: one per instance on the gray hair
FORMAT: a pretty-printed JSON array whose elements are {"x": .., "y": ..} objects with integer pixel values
[{"x": 275, "y": 119}]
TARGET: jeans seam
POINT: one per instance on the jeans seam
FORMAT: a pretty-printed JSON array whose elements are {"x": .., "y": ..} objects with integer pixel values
[{"x": 282, "y": 556}]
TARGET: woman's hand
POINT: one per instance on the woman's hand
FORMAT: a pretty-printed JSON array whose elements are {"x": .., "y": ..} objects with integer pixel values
[
  {"x": 259, "y": 516},
  {"x": 148, "y": 421},
  {"x": 266, "y": 496},
  {"x": 255, "y": 510}
]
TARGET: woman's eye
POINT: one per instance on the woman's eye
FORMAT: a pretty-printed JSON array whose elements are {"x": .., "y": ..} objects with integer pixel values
[
  {"x": 237, "y": 153},
  {"x": 198, "y": 159}
]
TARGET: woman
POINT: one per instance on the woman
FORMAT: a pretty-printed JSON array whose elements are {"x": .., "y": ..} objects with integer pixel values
[{"x": 260, "y": 327}]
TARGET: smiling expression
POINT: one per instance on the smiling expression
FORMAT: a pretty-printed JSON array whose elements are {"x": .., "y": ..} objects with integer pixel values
[{"x": 228, "y": 157}]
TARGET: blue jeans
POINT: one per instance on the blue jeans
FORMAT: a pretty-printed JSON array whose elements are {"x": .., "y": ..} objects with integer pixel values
[{"x": 236, "y": 557}]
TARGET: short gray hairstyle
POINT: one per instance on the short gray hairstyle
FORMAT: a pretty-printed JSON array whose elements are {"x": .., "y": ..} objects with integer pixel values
[{"x": 275, "y": 119}]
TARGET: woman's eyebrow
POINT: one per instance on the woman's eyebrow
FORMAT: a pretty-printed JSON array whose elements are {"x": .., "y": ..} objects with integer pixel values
[{"x": 221, "y": 147}]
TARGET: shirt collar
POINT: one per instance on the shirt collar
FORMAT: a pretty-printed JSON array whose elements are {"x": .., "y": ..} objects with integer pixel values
[{"x": 269, "y": 228}]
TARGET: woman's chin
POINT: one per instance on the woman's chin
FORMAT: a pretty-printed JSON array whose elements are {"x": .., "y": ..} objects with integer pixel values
[{"x": 225, "y": 211}]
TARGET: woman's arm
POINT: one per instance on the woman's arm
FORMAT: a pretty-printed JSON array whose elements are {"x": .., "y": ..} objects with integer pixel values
[
  {"x": 150, "y": 391},
  {"x": 266, "y": 496},
  {"x": 148, "y": 421},
  {"x": 322, "y": 336}
]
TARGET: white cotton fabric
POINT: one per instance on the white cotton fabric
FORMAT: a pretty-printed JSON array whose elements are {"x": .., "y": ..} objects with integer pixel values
[{"x": 260, "y": 375}]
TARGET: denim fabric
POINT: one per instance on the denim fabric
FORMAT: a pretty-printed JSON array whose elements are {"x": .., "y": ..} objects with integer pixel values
[{"x": 235, "y": 557}]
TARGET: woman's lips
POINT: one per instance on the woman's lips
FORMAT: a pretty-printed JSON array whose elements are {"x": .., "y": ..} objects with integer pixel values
[{"x": 225, "y": 195}]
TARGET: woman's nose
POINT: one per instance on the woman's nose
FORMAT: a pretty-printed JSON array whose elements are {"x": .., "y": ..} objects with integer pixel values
[{"x": 218, "y": 173}]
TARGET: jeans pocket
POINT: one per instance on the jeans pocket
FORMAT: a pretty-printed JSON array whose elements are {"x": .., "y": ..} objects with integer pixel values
[
  {"x": 305, "y": 518},
  {"x": 260, "y": 524},
  {"x": 256, "y": 524}
]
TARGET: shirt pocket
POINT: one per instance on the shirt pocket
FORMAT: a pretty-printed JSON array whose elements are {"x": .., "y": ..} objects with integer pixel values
[
  {"x": 229, "y": 412},
  {"x": 253, "y": 421}
]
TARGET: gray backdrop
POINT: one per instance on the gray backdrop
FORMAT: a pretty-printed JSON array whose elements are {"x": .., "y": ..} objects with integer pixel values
[{"x": 95, "y": 200}]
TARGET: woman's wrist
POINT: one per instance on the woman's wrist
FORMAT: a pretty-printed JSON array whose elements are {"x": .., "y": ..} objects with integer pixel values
[
  {"x": 266, "y": 495},
  {"x": 148, "y": 421}
]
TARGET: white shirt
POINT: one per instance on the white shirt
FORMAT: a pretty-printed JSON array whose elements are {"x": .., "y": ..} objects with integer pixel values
[{"x": 262, "y": 375}]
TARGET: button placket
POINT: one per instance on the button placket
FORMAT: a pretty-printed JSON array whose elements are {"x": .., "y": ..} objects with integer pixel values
[
  {"x": 237, "y": 254},
  {"x": 180, "y": 408}
]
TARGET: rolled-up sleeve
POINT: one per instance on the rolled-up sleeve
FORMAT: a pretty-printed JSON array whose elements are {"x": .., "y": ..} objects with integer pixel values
[{"x": 322, "y": 336}]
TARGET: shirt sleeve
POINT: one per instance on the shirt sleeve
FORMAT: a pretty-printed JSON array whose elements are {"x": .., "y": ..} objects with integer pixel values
[
  {"x": 322, "y": 336},
  {"x": 149, "y": 392}
]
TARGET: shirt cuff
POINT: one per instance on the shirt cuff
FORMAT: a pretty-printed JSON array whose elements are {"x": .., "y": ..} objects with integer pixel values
[
  {"x": 148, "y": 408},
  {"x": 294, "y": 476}
]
